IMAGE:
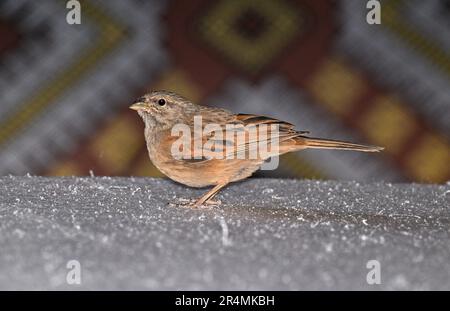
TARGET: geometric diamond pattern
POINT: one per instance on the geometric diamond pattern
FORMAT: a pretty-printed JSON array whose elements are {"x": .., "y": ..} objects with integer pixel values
[
  {"x": 248, "y": 32},
  {"x": 315, "y": 63}
]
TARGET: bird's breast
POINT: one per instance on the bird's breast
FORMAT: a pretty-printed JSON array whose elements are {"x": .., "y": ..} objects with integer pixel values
[{"x": 195, "y": 172}]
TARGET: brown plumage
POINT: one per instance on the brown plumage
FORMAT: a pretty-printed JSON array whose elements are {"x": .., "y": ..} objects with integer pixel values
[{"x": 229, "y": 160}]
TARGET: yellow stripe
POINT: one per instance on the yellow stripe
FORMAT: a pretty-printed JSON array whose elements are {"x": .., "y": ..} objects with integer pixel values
[
  {"x": 117, "y": 144},
  {"x": 429, "y": 160},
  {"x": 110, "y": 34},
  {"x": 336, "y": 86},
  {"x": 392, "y": 19},
  {"x": 388, "y": 123},
  {"x": 66, "y": 168}
]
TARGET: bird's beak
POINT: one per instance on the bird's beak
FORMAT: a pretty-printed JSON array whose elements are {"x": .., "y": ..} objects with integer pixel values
[{"x": 138, "y": 106}]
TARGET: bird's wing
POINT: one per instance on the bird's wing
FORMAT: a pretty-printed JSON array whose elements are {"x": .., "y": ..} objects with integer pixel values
[
  {"x": 226, "y": 135},
  {"x": 276, "y": 133},
  {"x": 253, "y": 119}
]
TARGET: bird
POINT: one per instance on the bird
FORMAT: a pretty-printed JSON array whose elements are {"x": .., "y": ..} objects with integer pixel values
[{"x": 227, "y": 159}]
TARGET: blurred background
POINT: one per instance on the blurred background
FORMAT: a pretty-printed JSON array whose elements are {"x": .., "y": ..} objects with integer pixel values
[{"x": 65, "y": 89}]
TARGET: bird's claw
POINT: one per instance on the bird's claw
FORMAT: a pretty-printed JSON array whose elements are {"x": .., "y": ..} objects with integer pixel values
[{"x": 192, "y": 203}]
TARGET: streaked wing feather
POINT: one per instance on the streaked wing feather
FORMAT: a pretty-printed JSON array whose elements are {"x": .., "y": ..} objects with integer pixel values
[{"x": 286, "y": 131}]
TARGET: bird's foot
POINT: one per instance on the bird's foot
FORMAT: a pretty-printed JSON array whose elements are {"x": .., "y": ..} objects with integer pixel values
[
  {"x": 192, "y": 203},
  {"x": 213, "y": 203}
]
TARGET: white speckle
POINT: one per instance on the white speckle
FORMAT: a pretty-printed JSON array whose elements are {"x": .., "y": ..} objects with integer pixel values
[
  {"x": 418, "y": 258},
  {"x": 315, "y": 224},
  {"x": 262, "y": 273},
  {"x": 267, "y": 190},
  {"x": 225, "y": 239},
  {"x": 20, "y": 233},
  {"x": 399, "y": 282},
  {"x": 276, "y": 197}
]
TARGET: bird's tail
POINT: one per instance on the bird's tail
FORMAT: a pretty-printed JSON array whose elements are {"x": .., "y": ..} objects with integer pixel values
[{"x": 319, "y": 143}]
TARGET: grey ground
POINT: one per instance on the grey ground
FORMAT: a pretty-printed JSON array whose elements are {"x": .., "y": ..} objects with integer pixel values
[{"x": 267, "y": 234}]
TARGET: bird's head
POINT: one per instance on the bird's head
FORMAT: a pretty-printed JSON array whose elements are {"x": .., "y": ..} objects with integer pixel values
[{"x": 162, "y": 108}]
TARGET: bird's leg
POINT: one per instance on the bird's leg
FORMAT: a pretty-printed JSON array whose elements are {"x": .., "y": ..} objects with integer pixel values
[{"x": 209, "y": 195}]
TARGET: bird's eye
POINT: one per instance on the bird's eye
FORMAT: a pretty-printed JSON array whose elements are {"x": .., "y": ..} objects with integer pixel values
[{"x": 161, "y": 102}]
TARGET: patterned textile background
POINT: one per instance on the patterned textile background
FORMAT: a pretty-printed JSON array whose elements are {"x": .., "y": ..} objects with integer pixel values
[{"x": 65, "y": 89}]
